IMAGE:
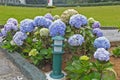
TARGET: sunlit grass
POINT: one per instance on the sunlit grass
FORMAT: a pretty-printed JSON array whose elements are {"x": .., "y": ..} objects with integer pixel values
[{"x": 107, "y": 15}]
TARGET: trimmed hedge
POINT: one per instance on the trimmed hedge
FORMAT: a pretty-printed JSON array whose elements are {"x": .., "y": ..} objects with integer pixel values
[
  {"x": 89, "y": 4},
  {"x": 25, "y": 5},
  {"x": 66, "y": 5}
]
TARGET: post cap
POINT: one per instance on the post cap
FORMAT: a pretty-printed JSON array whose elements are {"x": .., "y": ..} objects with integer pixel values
[{"x": 58, "y": 38}]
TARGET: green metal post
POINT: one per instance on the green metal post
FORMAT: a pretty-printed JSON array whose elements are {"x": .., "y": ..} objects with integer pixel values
[
  {"x": 57, "y": 62},
  {"x": 57, "y": 58}
]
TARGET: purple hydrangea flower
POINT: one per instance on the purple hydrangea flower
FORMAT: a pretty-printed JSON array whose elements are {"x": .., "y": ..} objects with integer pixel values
[
  {"x": 76, "y": 40},
  {"x": 49, "y": 16},
  {"x": 78, "y": 20},
  {"x": 12, "y": 20},
  {"x": 26, "y": 25},
  {"x": 102, "y": 55},
  {"x": 19, "y": 37},
  {"x": 39, "y": 21},
  {"x": 98, "y": 32},
  {"x": 57, "y": 28},
  {"x": 96, "y": 24},
  {"x": 102, "y": 42},
  {"x": 47, "y": 23},
  {"x": 42, "y": 21},
  {"x": 10, "y": 26},
  {"x": 3, "y": 32}
]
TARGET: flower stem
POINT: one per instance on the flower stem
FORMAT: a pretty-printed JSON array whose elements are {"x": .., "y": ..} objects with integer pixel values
[{"x": 101, "y": 75}]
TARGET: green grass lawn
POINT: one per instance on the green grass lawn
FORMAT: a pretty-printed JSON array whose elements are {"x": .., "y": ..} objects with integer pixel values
[{"x": 107, "y": 15}]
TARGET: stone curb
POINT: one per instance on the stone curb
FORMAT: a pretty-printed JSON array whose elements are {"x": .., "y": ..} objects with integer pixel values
[
  {"x": 110, "y": 28},
  {"x": 29, "y": 70}
]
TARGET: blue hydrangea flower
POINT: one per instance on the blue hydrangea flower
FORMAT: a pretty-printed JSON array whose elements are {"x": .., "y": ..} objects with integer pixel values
[
  {"x": 19, "y": 37},
  {"x": 49, "y": 16},
  {"x": 42, "y": 21},
  {"x": 102, "y": 42},
  {"x": 57, "y": 28},
  {"x": 12, "y": 20},
  {"x": 102, "y": 55},
  {"x": 76, "y": 40},
  {"x": 96, "y": 24},
  {"x": 18, "y": 42},
  {"x": 3, "y": 32},
  {"x": 26, "y": 25},
  {"x": 39, "y": 21},
  {"x": 78, "y": 20},
  {"x": 98, "y": 32},
  {"x": 47, "y": 23},
  {"x": 10, "y": 26}
]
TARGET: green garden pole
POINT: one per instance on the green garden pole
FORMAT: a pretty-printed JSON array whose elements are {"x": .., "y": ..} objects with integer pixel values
[{"x": 57, "y": 58}]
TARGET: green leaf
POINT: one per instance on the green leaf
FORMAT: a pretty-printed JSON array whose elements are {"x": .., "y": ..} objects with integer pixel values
[
  {"x": 85, "y": 78},
  {"x": 116, "y": 52},
  {"x": 94, "y": 75},
  {"x": 109, "y": 75},
  {"x": 68, "y": 29},
  {"x": 29, "y": 40},
  {"x": 26, "y": 50},
  {"x": 43, "y": 51},
  {"x": 36, "y": 62}
]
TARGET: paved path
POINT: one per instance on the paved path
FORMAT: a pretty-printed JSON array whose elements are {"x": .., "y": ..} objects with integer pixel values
[
  {"x": 112, "y": 35},
  {"x": 8, "y": 71}
]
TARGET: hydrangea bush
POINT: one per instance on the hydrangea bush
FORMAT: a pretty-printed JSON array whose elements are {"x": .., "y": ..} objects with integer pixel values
[{"x": 33, "y": 40}]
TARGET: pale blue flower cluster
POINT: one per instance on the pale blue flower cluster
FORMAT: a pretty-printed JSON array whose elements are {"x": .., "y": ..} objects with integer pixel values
[
  {"x": 26, "y": 25},
  {"x": 3, "y": 32},
  {"x": 1, "y": 35},
  {"x": 49, "y": 16},
  {"x": 98, "y": 32},
  {"x": 10, "y": 26},
  {"x": 96, "y": 24},
  {"x": 76, "y": 40},
  {"x": 40, "y": 21},
  {"x": 12, "y": 20},
  {"x": 78, "y": 20},
  {"x": 102, "y": 42},
  {"x": 19, "y": 37},
  {"x": 102, "y": 55},
  {"x": 48, "y": 23},
  {"x": 57, "y": 28}
]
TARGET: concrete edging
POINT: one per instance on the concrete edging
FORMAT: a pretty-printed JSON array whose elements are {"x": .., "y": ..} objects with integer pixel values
[
  {"x": 110, "y": 28},
  {"x": 29, "y": 70}
]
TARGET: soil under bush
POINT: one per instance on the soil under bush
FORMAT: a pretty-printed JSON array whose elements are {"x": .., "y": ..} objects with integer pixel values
[
  {"x": 66, "y": 57},
  {"x": 116, "y": 65}
]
